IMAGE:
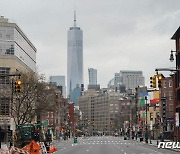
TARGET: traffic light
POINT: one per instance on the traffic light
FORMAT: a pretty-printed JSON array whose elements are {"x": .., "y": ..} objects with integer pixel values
[
  {"x": 153, "y": 81},
  {"x": 18, "y": 86},
  {"x": 160, "y": 77}
]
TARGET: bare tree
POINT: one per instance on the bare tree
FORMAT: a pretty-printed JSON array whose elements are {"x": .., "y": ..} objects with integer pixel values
[{"x": 26, "y": 102}]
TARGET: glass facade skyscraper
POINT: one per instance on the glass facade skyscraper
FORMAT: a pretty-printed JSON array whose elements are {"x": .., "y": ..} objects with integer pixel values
[
  {"x": 74, "y": 57},
  {"x": 92, "y": 76}
]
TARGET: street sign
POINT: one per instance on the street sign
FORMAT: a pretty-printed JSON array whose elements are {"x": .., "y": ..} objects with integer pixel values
[{"x": 170, "y": 119}]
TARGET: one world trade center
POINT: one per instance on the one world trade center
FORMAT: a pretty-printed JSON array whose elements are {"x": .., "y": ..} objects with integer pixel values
[{"x": 74, "y": 57}]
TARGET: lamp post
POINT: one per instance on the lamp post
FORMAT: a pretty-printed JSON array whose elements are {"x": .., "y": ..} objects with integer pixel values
[
  {"x": 146, "y": 132},
  {"x": 176, "y": 83},
  {"x": 171, "y": 58}
]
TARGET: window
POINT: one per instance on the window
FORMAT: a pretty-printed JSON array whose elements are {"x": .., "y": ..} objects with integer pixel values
[
  {"x": 4, "y": 106},
  {"x": 170, "y": 95},
  {"x": 4, "y": 71},
  {"x": 7, "y": 36},
  {"x": 164, "y": 83},
  {"x": 171, "y": 108},
  {"x": 10, "y": 51},
  {"x": 170, "y": 83}
]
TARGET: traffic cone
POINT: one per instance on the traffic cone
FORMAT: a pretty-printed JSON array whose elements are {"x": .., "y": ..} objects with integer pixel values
[{"x": 52, "y": 149}]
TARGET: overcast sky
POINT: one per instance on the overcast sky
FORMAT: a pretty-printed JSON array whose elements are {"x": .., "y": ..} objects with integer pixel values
[{"x": 118, "y": 34}]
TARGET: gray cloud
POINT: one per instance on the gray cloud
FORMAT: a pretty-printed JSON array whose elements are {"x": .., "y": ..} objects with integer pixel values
[{"x": 118, "y": 34}]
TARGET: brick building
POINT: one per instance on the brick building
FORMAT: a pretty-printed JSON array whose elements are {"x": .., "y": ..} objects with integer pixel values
[
  {"x": 176, "y": 81},
  {"x": 167, "y": 92}
]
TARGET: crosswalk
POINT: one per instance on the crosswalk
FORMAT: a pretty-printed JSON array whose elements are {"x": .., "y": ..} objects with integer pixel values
[
  {"x": 118, "y": 142},
  {"x": 99, "y": 140}
]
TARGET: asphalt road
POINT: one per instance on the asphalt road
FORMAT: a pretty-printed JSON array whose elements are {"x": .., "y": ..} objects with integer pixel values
[{"x": 107, "y": 145}]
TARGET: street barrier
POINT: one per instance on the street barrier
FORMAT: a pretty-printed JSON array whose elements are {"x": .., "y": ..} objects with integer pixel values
[
  {"x": 43, "y": 147},
  {"x": 4, "y": 149},
  {"x": 14, "y": 149}
]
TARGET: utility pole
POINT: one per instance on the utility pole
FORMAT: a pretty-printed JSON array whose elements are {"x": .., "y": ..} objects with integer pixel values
[{"x": 146, "y": 133}]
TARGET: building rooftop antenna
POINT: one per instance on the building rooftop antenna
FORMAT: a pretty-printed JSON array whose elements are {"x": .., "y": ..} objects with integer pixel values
[{"x": 74, "y": 13}]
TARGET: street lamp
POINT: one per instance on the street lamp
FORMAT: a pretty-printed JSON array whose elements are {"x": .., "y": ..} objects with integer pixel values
[
  {"x": 146, "y": 132},
  {"x": 171, "y": 58}
]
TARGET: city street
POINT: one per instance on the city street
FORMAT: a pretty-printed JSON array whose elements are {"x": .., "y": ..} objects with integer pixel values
[{"x": 107, "y": 145}]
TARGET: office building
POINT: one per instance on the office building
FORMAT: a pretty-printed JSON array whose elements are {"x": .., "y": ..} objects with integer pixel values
[
  {"x": 93, "y": 79},
  {"x": 92, "y": 76},
  {"x": 74, "y": 57},
  {"x": 16, "y": 50},
  {"x": 59, "y": 81},
  {"x": 17, "y": 54},
  {"x": 132, "y": 79},
  {"x": 100, "y": 111},
  {"x": 116, "y": 83}
]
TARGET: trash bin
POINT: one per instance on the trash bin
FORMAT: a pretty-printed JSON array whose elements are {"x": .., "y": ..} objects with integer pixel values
[{"x": 75, "y": 140}]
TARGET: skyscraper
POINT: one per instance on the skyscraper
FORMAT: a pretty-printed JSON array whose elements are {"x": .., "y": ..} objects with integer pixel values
[
  {"x": 74, "y": 57},
  {"x": 93, "y": 79},
  {"x": 92, "y": 76}
]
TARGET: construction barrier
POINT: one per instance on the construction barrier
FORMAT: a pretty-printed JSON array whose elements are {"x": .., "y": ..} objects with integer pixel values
[
  {"x": 32, "y": 148},
  {"x": 4, "y": 149},
  {"x": 14, "y": 149},
  {"x": 43, "y": 147}
]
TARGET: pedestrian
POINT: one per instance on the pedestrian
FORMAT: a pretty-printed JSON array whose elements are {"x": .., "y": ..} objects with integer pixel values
[{"x": 162, "y": 137}]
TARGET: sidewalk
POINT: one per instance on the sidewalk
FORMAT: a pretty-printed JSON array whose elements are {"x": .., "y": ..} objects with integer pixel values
[
  {"x": 69, "y": 141},
  {"x": 155, "y": 143}
]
